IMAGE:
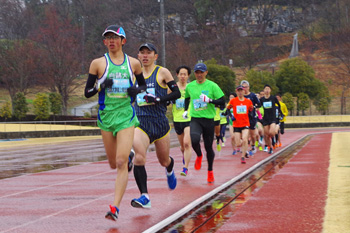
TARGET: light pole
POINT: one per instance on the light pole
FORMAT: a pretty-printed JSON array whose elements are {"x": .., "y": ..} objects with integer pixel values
[
  {"x": 162, "y": 31},
  {"x": 82, "y": 18}
]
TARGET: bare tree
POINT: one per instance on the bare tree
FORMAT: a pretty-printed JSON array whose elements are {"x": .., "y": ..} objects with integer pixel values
[
  {"x": 340, "y": 49},
  {"x": 61, "y": 47},
  {"x": 19, "y": 61}
]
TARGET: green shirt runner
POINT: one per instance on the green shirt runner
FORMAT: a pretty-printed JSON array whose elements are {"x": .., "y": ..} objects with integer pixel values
[{"x": 200, "y": 109}]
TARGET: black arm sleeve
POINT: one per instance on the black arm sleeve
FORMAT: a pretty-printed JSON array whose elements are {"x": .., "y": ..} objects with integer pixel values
[
  {"x": 141, "y": 82},
  {"x": 279, "y": 106},
  {"x": 256, "y": 102},
  {"x": 219, "y": 102},
  {"x": 187, "y": 103},
  {"x": 90, "y": 89},
  {"x": 175, "y": 92}
]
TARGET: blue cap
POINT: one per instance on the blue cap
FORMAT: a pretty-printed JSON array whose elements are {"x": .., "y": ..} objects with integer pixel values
[
  {"x": 200, "y": 66},
  {"x": 150, "y": 46},
  {"x": 116, "y": 30}
]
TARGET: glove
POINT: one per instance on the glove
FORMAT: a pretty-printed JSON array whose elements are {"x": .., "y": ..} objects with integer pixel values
[
  {"x": 150, "y": 98},
  {"x": 184, "y": 115},
  {"x": 105, "y": 84},
  {"x": 224, "y": 113},
  {"x": 205, "y": 98},
  {"x": 132, "y": 91}
]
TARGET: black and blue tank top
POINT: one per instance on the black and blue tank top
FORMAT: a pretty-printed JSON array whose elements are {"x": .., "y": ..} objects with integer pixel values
[{"x": 154, "y": 87}]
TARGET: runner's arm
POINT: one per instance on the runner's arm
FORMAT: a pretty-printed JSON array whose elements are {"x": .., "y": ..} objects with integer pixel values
[
  {"x": 174, "y": 94},
  {"x": 91, "y": 89},
  {"x": 187, "y": 103},
  {"x": 279, "y": 107},
  {"x": 218, "y": 102}
]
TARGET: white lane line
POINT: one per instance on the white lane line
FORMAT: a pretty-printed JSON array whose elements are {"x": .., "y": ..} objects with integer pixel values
[
  {"x": 186, "y": 209},
  {"x": 51, "y": 185},
  {"x": 68, "y": 209}
]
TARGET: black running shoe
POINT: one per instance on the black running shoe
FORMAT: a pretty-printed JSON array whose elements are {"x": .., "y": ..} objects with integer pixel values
[{"x": 131, "y": 157}]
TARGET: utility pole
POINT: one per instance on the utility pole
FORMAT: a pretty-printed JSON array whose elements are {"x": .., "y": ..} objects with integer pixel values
[
  {"x": 82, "y": 18},
  {"x": 162, "y": 31}
]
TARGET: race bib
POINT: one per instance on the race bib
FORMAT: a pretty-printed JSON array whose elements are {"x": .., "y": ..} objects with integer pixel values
[
  {"x": 180, "y": 104},
  {"x": 267, "y": 104},
  {"x": 199, "y": 105},
  {"x": 119, "y": 88},
  {"x": 241, "y": 109},
  {"x": 141, "y": 101}
]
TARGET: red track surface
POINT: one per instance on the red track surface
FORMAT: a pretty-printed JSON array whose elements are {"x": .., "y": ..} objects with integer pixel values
[
  {"x": 294, "y": 199},
  {"x": 75, "y": 199}
]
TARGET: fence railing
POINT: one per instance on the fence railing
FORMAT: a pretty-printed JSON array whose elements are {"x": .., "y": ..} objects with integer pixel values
[
  {"x": 317, "y": 119},
  {"x": 25, "y": 126}
]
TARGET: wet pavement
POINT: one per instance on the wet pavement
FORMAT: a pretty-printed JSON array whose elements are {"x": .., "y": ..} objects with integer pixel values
[
  {"x": 75, "y": 198},
  {"x": 27, "y": 159},
  {"x": 211, "y": 215},
  {"x": 37, "y": 158}
]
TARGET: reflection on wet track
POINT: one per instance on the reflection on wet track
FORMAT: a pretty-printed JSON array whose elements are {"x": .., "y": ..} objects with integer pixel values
[
  {"x": 31, "y": 159},
  {"x": 212, "y": 214}
]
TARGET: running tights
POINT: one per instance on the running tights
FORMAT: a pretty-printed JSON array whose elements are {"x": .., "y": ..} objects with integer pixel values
[{"x": 203, "y": 126}]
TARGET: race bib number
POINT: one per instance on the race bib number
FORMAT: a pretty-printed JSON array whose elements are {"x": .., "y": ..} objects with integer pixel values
[
  {"x": 267, "y": 104},
  {"x": 241, "y": 109},
  {"x": 119, "y": 88},
  {"x": 180, "y": 104},
  {"x": 141, "y": 101},
  {"x": 199, "y": 105}
]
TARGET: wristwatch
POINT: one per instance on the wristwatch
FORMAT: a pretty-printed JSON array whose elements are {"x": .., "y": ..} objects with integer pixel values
[{"x": 157, "y": 99}]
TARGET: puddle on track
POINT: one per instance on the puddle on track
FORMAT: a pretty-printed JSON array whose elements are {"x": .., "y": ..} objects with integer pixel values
[{"x": 212, "y": 214}]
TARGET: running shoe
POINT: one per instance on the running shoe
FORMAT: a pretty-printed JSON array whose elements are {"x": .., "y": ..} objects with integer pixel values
[
  {"x": 260, "y": 148},
  {"x": 247, "y": 155},
  {"x": 210, "y": 177},
  {"x": 184, "y": 171},
  {"x": 266, "y": 149},
  {"x": 218, "y": 147},
  {"x": 223, "y": 144},
  {"x": 141, "y": 202},
  {"x": 256, "y": 143},
  {"x": 280, "y": 145},
  {"x": 113, "y": 213},
  {"x": 239, "y": 149},
  {"x": 171, "y": 179},
  {"x": 254, "y": 150},
  {"x": 243, "y": 160},
  {"x": 270, "y": 151},
  {"x": 198, "y": 162},
  {"x": 234, "y": 152},
  {"x": 131, "y": 157}
]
